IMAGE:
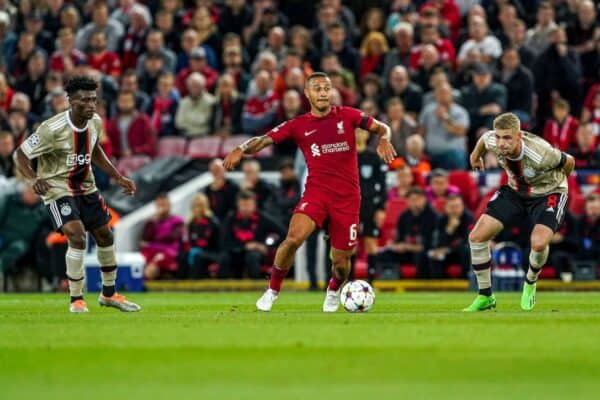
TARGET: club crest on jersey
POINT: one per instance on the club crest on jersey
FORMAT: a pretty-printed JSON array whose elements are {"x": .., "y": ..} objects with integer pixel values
[
  {"x": 366, "y": 171},
  {"x": 529, "y": 172},
  {"x": 34, "y": 140},
  {"x": 78, "y": 159},
  {"x": 340, "y": 127},
  {"x": 65, "y": 209},
  {"x": 314, "y": 148}
]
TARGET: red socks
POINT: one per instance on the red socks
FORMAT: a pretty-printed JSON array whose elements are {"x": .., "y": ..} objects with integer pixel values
[
  {"x": 335, "y": 283},
  {"x": 277, "y": 277}
]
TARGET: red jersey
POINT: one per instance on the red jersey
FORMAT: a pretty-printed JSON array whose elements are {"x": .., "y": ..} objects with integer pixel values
[
  {"x": 108, "y": 63},
  {"x": 329, "y": 148}
]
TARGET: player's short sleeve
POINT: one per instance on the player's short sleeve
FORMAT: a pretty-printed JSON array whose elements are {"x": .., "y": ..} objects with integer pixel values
[
  {"x": 281, "y": 132},
  {"x": 40, "y": 142},
  {"x": 551, "y": 157},
  {"x": 358, "y": 118},
  {"x": 489, "y": 139}
]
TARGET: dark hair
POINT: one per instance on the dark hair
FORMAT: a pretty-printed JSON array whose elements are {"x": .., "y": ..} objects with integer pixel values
[
  {"x": 336, "y": 25},
  {"x": 81, "y": 82},
  {"x": 316, "y": 75},
  {"x": 415, "y": 190},
  {"x": 439, "y": 172},
  {"x": 453, "y": 196},
  {"x": 246, "y": 194},
  {"x": 162, "y": 195}
]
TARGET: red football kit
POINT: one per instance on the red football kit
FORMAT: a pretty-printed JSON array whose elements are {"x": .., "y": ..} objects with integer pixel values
[{"x": 332, "y": 191}]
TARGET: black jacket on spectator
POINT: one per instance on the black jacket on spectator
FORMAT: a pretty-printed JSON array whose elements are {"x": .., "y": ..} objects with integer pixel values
[
  {"x": 222, "y": 201},
  {"x": 237, "y": 230},
  {"x": 201, "y": 248},
  {"x": 264, "y": 192},
  {"x": 519, "y": 88},
  {"x": 204, "y": 233},
  {"x": 35, "y": 90},
  {"x": 230, "y": 22},
  {"x": 287, "y": 195},
  {"x": 417, "y": 228},
  {"x": 473, "y": 99},
  {"x": 412, "y": 97},
  {"x": 236, "y": 108},
  {"x": 456, "y": 239},
  {"x": 588, "y": 239}
]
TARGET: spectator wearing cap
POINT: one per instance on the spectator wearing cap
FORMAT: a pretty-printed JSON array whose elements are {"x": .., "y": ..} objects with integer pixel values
[
  {"x": 66, "y": 56},
  {"x": 132, "y": 44},
  {"x": 100, "y": 59},
  {"x": 226, "y": 115},
  {"x": 34, "y": 23},
  {"x": 518, "y": 81},
  {"x": 199, "y": 65},
  {"x": 540, "y": 36},
  {"x": 444, "y": 124},
  {"x": 130, "y": 131},
  {"x": 33, "y": 82},
  {"x": 260, "y": 110},
  {"x": 195, "y": 110},
  {"x": 400, "y": 54},
  {"x": 155, "y": 44},
  {"x": 480, "y": 38},
  {"x": 399, "y": 85},
  {"x": 483, "y": 99},
  {"x": 113, "y": 30}
]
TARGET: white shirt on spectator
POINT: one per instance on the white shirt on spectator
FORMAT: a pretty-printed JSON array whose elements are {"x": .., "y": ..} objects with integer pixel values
[{"x": 490, "y": 46}]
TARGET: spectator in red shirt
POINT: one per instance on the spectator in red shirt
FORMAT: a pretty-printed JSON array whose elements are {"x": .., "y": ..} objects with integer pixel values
[
  {"x": 66, "y": 56},
  {"x": 130, "y": 131},
  {"x": 372, "y": 51},
  {"x": 561, "y": 129},
  {"x": 99, "y": 58},
  {"x": 430, "y": 35},
  {"x": 6, "y": 93},
  {"x": 197, "y": 63},
  {"x": 260, "y": 110},
  {"x": 450, "y": 15}
]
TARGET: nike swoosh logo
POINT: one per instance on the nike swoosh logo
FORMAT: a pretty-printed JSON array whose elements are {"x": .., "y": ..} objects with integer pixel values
[{"x": 309, "y": 132}]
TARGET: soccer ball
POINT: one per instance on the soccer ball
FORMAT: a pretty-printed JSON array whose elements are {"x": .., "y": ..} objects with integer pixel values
[{"x": 357, "y": 296}]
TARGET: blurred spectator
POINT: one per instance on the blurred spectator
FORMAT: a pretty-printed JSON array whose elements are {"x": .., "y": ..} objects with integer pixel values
[
  {"x": 581, "y": 33},
  {"x": 415, "y": 157},
  {"x": 8, "y": 39},
  {"x": 560, "y": 131},
  {"x": 189, "y": 42},
  {"x": 450, "y": 14},
  {"x": 155, "y": 44},
  {"x": 414, "y": 232},
  {"x": 400, "y": 54},
  {"x": 300, "y": 42},
  {"x": 429, "y": 65},
  {"x": 430, "y": 16},
  {"x": 373, "y": 49},
  {"x": 66, "y": 55},
  {"x": 32, "y": 83},
  {"x": 438, "y": 77},
  {"x": 235, "y": 15},
  {"x": 7, "y": 146},
  {"x": 161, "y": 239},
  {"x": 129, "y": 82},
  {"x": 330, "y": 64},
  {"x": 247, "y": 235},
  {"x": 345, "y": 15},
  {"x": 260, "y": 110},
  {"x": 373, "y": 20},
  {"x": 439, "y": 186},
  {"x": 163, "y": 106},
  {"x": 539, "y": 37},
  {"x": 208, "y": 35},
  {"x": 55, "y": 102},
  {"x": 444, "y": 124},
  {"x": 507, "y": 15},
  {"x": 402, "y": 125},
  {"x": 153, "y": 69},
  {"x": 221, "y": 192},
  {"x": 449, "y": 242},
  {"x": 481, "y": 39},
  {"x": 517, "y": 37},
  {"x": 404, "y": 181},
  {"x": 201, "y": 247},
  {"x": 291, "y": 107},
  {"x": 275, "y": 43},
  {"x": 287, "y": 194},
  {"x": 399, "y": 85},
  {"x": 564, "y": 246},
  {"x": 195, "y": 110},
  {"x": 370, "y": 87},
  {"x": 557, "y": 73},
  {"x": 233, "y": 65},
  {"x": 266, "y": 15},
  {"x": 70, "y": 18},
  {"x": 17, "y": 123},
  {"x": 586, "y": 152},
  {"x": 401, "y": 11},
  {"x": 130, "y": 131},
  {"x": 121, "y": 13},
  {"x": 589, "y": 230},
  {"x": 165, "y": 23},
  {"x": 22, "y": 217},
  {"x": 445, "y": 48},
  {"x": 483, "y": 99},
  {"x": 113, "y": 30},
  {"x": 338, "y": 44},
  {"x": 518, "y": 81},
  {"x": 17, "y": 65},
  {"x": 52, "y": 15},
  {"x": 227, "y": 109},
  {"x": 34, "y": 24},
  {"x": 591, "y": 105},
  {"x": 197, "y": 64},
  {"x": 263, "y": 191},
  {"x": 6, "y": 94},
  {"x": 107, "y": 62}
]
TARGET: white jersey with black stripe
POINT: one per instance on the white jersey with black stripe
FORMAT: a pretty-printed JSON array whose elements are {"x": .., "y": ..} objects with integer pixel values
[{"x": 536, "y": 171}]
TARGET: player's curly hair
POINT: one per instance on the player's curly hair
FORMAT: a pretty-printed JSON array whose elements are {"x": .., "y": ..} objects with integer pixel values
[{"x": 81, "y": 82}]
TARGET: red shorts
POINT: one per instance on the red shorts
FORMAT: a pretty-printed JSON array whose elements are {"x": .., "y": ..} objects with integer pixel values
[{"x": 342, "y": 217}]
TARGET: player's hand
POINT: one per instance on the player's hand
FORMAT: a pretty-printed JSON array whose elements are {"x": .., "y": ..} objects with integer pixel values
[
  {"x": 233, "y": 159},
  {"x": 386, "y": 151},
  {"x": 40, "y": 187},
  {"x": 478, "y": 164},
  {"x": 128, "y": 185}
]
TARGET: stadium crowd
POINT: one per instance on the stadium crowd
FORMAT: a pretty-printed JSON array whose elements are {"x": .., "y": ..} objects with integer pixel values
[{"x": 206, "y": 72}]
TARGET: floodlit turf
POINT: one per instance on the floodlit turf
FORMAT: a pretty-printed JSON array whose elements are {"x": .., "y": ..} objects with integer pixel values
[{"x": 215, "y": 346}]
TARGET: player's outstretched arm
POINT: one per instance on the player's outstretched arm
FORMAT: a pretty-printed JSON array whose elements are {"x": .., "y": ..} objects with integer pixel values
[
  {"x": 250, "y": 146},
  {"x": 100, "y": 159},
  {"x": 476, "y": 155},
  {"x": 385, "y": 149},
  {"x": 40, "y": 186}
]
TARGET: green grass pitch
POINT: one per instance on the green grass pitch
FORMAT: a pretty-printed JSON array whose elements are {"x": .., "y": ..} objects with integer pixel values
[{"x": 215, "y": 346}]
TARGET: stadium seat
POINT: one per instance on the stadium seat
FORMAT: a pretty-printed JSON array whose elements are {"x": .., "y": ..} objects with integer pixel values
[
  {"x": 204, "y": 147},
  {"x": 408, "y": 271},
  {"x": 128, "y": 165},
  {"x": 548, "y": 272},
  {"x": 360, "y": 269},
  {"x": 454, "y": 271},
  {"x": 468, "y": 187},
  {"x": 393, "y": 209},
  {"x": 232, "y": 142},
  {"x": 171, "y": 146},
  {"x": 577, "y": 204}
]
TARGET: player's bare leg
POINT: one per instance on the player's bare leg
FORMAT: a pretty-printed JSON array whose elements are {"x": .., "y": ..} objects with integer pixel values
[
  {"x": 108, "y": 268},
  {"x": 340, "y": 272},
  {"x": 486, "y": 229},
  {"x": 540, "y": 240},
  {"x": 301, "y": 226},
  {"x": 75, "y": 233}
]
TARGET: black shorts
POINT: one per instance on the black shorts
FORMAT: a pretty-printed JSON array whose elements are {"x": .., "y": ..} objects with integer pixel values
[
  {"x": 90, "y": 209},
  {"x": 510, "y": 208},
  {"x": 367, "y": 226}
]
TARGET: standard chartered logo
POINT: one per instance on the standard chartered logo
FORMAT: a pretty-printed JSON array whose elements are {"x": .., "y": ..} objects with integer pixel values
[{"x": 314, "y": 148}]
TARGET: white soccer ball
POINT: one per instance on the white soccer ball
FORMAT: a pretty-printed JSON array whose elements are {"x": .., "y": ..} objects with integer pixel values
[{"x": 357, "y": 296}]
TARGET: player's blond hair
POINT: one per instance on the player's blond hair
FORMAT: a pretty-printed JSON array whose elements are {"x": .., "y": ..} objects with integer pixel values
[{"x": 507, "y": 121}]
